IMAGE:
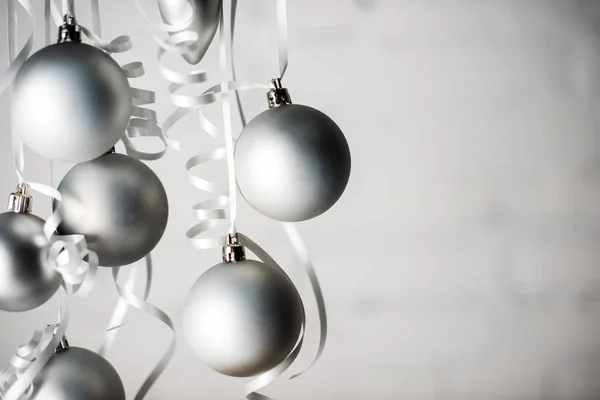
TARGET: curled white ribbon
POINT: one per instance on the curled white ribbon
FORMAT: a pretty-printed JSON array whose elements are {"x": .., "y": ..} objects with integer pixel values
[{"x": 143, "y": 305}]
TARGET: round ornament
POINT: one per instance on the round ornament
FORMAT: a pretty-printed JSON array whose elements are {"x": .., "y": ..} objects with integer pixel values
[
  {"x": 78, "y": 374},
  {"x": 27, "y": 280},
  {"x": 118, "y": 203},
  {"x": 243, "y": 318},
  {"x": 292, "y": 163},
  {"x": 71, "y": 103},
  {"x": 205, "y": 21}
]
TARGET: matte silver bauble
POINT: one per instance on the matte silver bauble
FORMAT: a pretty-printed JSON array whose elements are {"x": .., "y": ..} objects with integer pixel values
[
  {"x": 72, "y": 102},
  {"x": 27, "y": 280},
  {"x": 118, "y": 203},
  {"x": 243, "y": 318},
  {"x": 78, "y": 374},
  {"x": 205, "y": 21},
  {"x": 292, "y": 163}
]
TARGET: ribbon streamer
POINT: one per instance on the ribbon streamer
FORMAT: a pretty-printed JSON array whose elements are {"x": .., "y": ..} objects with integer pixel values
[
  {"x": 7, "y": 76},
  {"x": 148, "y": 308}
]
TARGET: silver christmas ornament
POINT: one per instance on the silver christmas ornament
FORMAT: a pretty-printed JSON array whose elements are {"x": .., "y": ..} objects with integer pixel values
[
  {"x": 71, "y": 101},
  {"x": 27, "y": 280},
  {"x": 118, "y": 203},
  {"x": 75, "y": 373},
  {"x": 205, "y": 20},
  {"x": 292, "y": 162},
  {"x": 242, "y": 317}
]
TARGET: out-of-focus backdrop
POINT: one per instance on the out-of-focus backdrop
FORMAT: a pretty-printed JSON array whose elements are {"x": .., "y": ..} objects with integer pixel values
[{"x": 463, "y": 261}]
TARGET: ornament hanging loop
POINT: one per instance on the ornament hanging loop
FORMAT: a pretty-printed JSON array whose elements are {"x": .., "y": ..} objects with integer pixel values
[
  {"x": 69, "y": 31},
  {"x": 277, "y": 94},
  {"x": 233, "y": 251},
  {"x": 20, "y": 201}
]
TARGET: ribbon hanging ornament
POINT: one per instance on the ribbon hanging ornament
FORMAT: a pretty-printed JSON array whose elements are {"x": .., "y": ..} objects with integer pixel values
[
  {"x": 267, "y": 365},
  {"x": 64, "y": 259}
]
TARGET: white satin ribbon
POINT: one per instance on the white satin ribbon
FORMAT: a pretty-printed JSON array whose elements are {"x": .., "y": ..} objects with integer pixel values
[{"x": 142, "y": 304}]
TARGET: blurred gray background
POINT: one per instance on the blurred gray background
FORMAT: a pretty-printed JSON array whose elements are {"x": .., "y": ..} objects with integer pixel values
[{"x": 463, "y": 260}]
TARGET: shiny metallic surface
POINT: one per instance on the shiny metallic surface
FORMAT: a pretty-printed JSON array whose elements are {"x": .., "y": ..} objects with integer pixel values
[
  {"x": 78, "y": 374},
  {"x": 277, "y": 94},
  {"x": 69, "y": 31},
  {"x": 72, "y": 102},
  {"x": 205, "y": 22},
  {"x": 20, "y": 201},
  {"x": 292, "y": 163},
  {"x": 233, "y": 251},
  {"x": 118, "y": 203},
  {"x": 242, "y": 318},
  {"x": 62, "y": 345},
  {"x": 26, "y": 279}
]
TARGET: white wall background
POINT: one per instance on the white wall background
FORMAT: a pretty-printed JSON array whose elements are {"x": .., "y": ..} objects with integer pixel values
[{"x": 462, "y": 262}]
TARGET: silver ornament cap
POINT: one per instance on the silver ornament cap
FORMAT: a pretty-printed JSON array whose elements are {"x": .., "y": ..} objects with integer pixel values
[
  {"x": 278, "y": 95},
  {"x": 20, "y": 201},
  {"x": 69, "y": 31},
  {"x": 233, "y": 251}
]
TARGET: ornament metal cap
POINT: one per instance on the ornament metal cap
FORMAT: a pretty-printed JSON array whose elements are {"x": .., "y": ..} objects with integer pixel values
[
  {"x": 277, "y": 94},
  {"x": 62, "y": 345},
  {"x": 69, "y": 31},
  {"x": 20, "y": 201},
  {"x": 233, "y": 250}
]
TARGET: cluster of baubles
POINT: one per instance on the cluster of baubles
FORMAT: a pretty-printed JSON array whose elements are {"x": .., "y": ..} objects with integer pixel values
[
  {"x": 72, "y": 103},
  {"x": 244, "y": 317},
  {"x": 116, "y": 201}
]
